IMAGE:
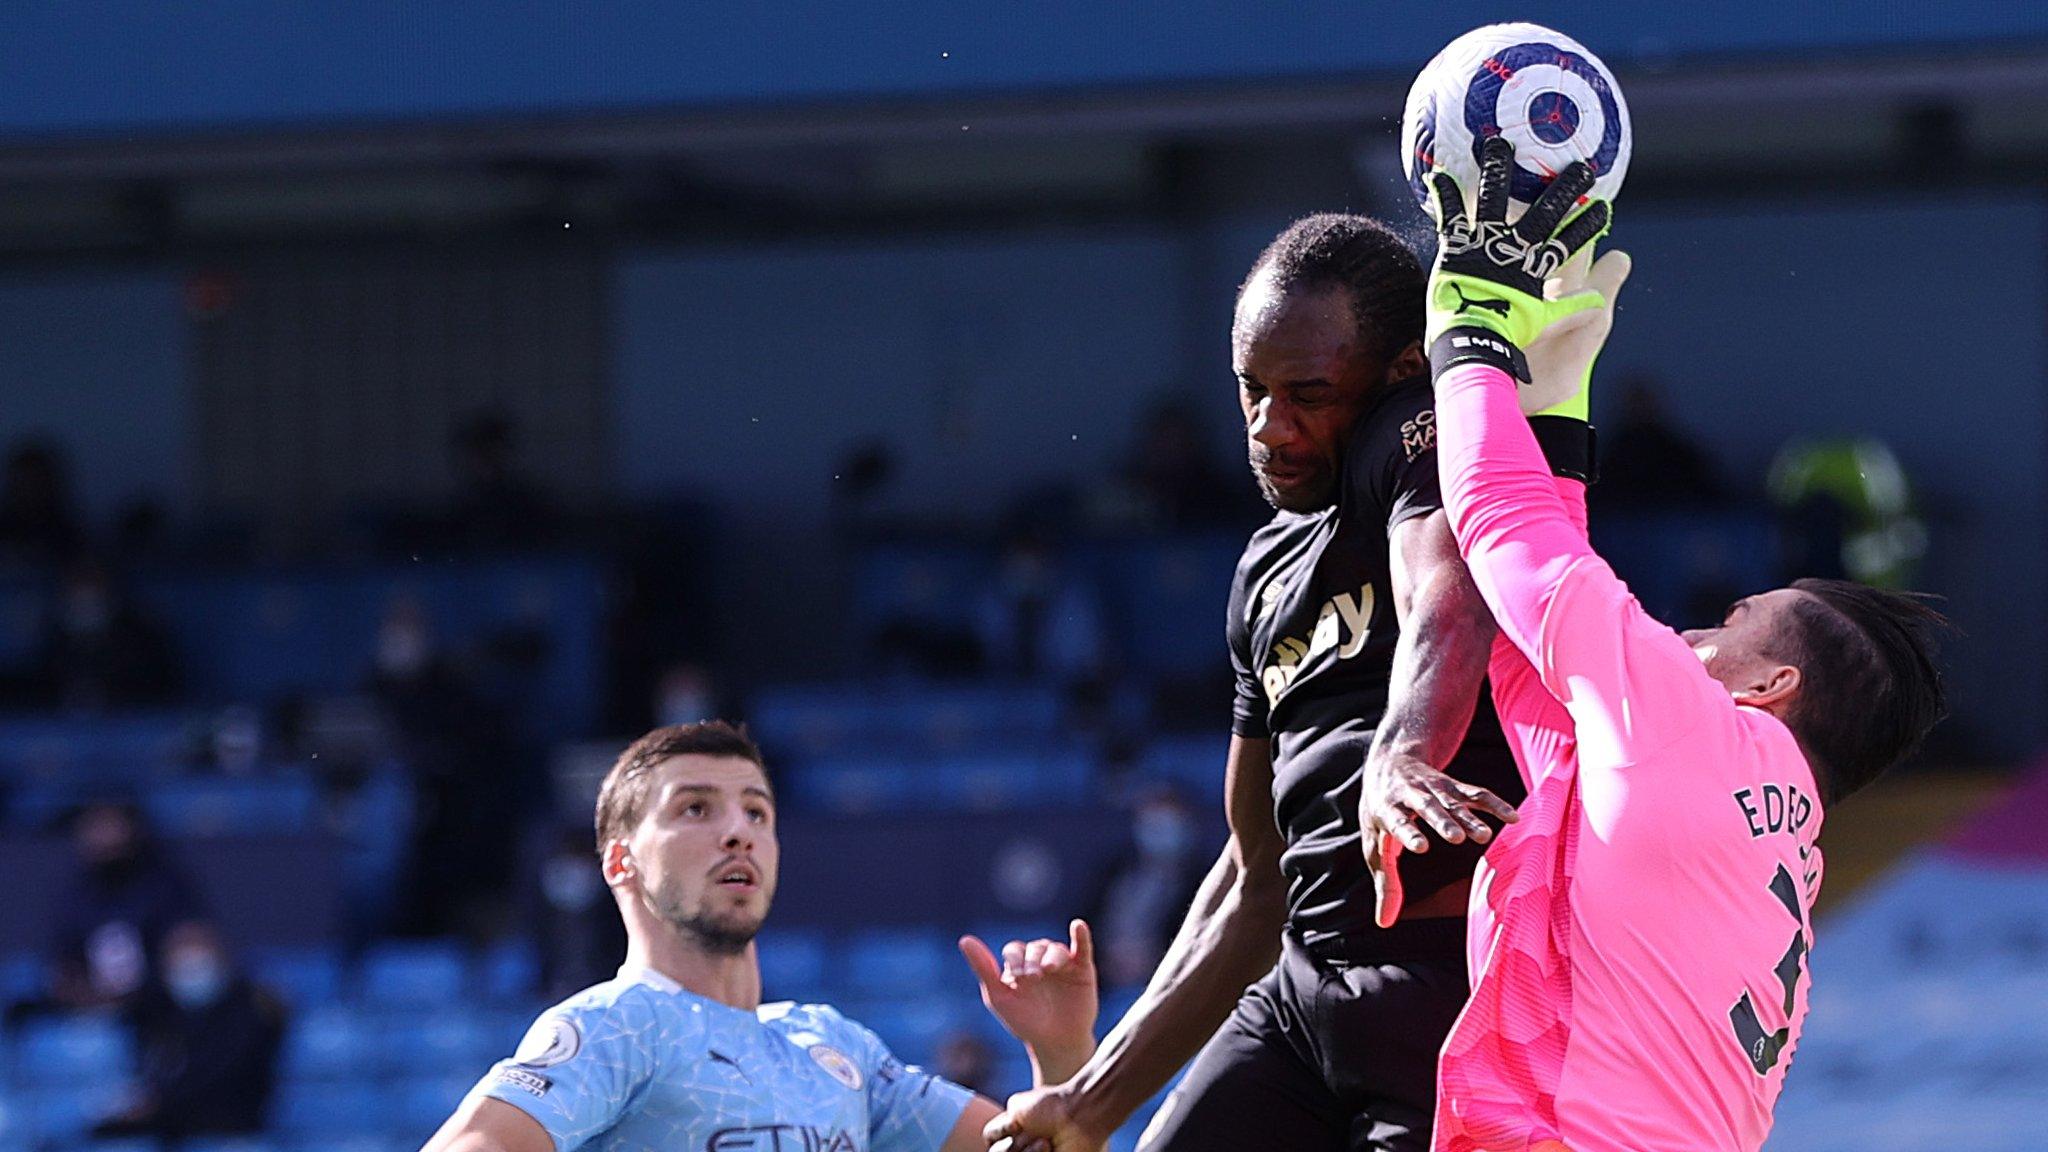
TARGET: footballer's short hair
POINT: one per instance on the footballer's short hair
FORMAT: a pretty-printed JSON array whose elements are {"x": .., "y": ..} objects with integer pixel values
[
  {"x": 1364, "y": 257},
  {"x": 622, "y": 799},
  {"x": 1869, "y": 689}
]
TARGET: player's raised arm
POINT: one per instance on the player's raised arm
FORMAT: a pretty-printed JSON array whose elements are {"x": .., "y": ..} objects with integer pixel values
[
  {"x": 1553, "y": 597},
  {"x": 1229, "y": 939},
  {"x": 1045, "y": 993},
  {"x": 1439, "y": 667}
]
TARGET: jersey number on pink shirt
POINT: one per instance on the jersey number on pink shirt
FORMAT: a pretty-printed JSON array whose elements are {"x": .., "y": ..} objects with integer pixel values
[{"x": 1763, "y": 1048}]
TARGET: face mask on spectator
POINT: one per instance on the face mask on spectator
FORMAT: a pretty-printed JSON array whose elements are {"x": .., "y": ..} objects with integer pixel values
[
  {"x": 401, "y": 650},
  {"x": 195, "y": 981}
]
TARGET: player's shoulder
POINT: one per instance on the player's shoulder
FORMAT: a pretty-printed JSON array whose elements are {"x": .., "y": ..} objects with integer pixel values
[
  {"x": 824, "y": 1031},
  {"x": 1403, "y": 419},
  {"x": 630, "y": 1006},
  {"x": 823, "y": 1020}
]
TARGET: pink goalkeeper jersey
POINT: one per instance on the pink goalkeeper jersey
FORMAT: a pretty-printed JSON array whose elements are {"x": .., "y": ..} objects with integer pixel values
[{"x": 1638, "y": 940}]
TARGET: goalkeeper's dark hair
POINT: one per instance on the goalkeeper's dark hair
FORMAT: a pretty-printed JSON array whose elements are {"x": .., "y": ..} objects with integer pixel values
[
  {"x": 1362, "y": 256},
  {"x": 1869, "y": 689}
]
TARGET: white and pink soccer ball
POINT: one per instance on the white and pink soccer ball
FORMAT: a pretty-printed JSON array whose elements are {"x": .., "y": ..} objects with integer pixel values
[{"x": 1553, "y": 99}]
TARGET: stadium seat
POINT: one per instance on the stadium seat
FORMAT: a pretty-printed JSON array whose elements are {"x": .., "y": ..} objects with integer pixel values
[
  {"x": 430, "y": 972},
  {"x": 996, "y": 780},
  {"x": 226, "y": 807},
  {"x": 304, "y": 977},
  {"x": 136, "y": 1144},
  {"x": 21, "y": 976},
  {"x": 63, "y": 1114},
  {"x": 319, "y": 1108},
  {"x": 70, "y": 1050},
  {"x": 449, "y": 1041},
  {"x": 911, "y": 1027},
  {"x": 899, "y": 961},
  {"x": 331, "y": 1041},
  {"x": 793, "y": 964},
  {"x": 509, "y": 970},
  {"x": 419, "y": 1106},
  {"x": 354, "y": 1142},
  {"x": 228, "y": 1144},
  {"x": 107, "y": 749},
  {"x": 1193, "y": 761},
  {"x": 851, "y": 787}
]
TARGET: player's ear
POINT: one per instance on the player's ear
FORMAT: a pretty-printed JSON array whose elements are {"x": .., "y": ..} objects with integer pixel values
[
  {"x": 618, "y": 864},
  {"x": 1407, "y": 364},
  {"x": 1776, "y": 685}
]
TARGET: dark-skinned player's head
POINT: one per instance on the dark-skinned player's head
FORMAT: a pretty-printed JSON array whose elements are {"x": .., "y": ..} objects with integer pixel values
[
  {"x": 1848, "y": 668},
  {"x": 1330, "y": 314}
]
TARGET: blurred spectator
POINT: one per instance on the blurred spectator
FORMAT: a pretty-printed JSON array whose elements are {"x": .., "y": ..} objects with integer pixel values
[
  {"x": 967, "y": 1060},
  {"x": 112, "y": 925},
  {"x": 1849, "y": 512},
  {"x": 1146, "y": 893},
  {"x": 1171, "y": 481},
  {"x": 99, "y": 650},
  {"x": 37, "y": 523},
  {"x": 582, "y": 940},
  {"x": 496, "y": 507},
  {"x": 1040, "y": 620},
  {"x": 207, "y": 1040},
  {"x": 461, "y": 757},
  {"x": 686, "y": 694},
  {"x": 1649, "y": 462}
]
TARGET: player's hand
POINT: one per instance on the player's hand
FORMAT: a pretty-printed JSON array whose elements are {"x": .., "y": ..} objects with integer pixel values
[
  {"x": 1041, "y": 1120},
  {"x": 1487, "y": 284},
  {"x": 1043, "y": 991},
  {"x": 1402, "y": 799},
  {"x": 1561, "y": 359}
]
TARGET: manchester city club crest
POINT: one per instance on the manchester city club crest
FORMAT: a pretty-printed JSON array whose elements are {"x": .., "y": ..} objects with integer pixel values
[{"x": 835, "y": 1062}]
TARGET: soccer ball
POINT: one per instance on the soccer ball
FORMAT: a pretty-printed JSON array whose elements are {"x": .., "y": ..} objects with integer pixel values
[{"x": 1554, "y": 100}]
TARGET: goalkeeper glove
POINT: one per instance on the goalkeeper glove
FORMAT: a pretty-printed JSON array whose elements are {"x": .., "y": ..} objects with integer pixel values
[{"x": 1486, "y": 299}]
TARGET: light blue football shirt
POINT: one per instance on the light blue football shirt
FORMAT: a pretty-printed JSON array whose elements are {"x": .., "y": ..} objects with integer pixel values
[{"x": 638, "y": 1064}]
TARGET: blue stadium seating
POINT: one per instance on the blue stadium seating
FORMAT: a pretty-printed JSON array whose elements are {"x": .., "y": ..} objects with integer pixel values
[
  {"x": 420, "y": 1106},
  {"x": 1042, "y": 772},
  {"x": 109, "y": 749},
  {"x": 224, "y": 806},
  {"x": 1193, "y": 762},
  {"x": 21, "y": 976},
  {"x": 509, "y": 970},
  {"x": 793, "y": 964},
  {"x": 449, "y": 1041},
  {"x": 332, "y": 1041},
  {"x": 59, "y": 1050},
  {"x": 259, "y": 636},
  {"x": 810, "y": 720},
  {"x": 225, "y": 1144},
  {"x": 304, "y": 977},
  {"x": 355, "y": 1142},
  {"x": 899, "y": 961},
  {"x": 1166, "y": 598},
  {"x": 912, "y": 1026},
  {"x": 327, "y": 1108},
  {"x": 54, "y": 1114},
  {"x": 423, "y": 973}
]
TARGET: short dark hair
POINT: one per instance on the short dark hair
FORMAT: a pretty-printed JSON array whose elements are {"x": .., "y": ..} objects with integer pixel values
[
  {"x": 1365, "y": 258},
  {"x": 622, "y": 799},
  {"x": 1869, "y": 689}
]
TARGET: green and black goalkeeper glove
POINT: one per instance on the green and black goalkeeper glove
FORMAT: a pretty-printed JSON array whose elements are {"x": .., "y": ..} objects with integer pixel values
[{"x": 1486, "y": 298}]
